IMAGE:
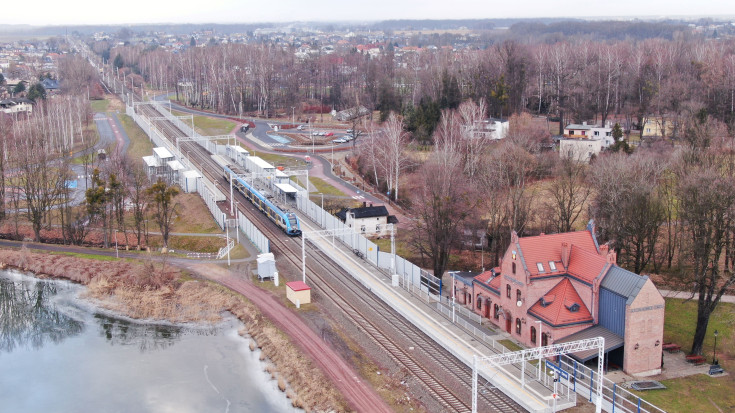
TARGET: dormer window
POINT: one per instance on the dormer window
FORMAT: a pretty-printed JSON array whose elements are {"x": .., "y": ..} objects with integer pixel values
[
  {"x": 573, "y": 308},
  {"x": 546, "y": 300},
  {"x": 540, "y": 267},
  {"x": 552, "y": 265}
]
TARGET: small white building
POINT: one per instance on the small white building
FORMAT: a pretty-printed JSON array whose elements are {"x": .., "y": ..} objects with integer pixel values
[
  {"x": 190, "y": 181},
  {"x": 162, "y": 155},
  {"x": 590, "y": 132},
  {"x": 368, "y": 220},
  {"x": 494, "y": 129},
  {"x": 16, "y": 105},
  {"x": 580, "y": 150},
  {"x": 237, "y": 154},
  {"x": 298, "y": 293}
]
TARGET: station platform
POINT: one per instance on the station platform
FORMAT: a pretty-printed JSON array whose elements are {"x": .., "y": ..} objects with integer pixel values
[{"x": 457, "y": 333}]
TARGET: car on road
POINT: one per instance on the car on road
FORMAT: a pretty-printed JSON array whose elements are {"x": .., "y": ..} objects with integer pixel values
[
  {"x": 301, "y": 127},
  {"x": 339, "y": 140}
]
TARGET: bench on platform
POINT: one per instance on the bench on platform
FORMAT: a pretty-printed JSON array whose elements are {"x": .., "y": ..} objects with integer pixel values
[
  {"x": 695, "y": 359},
  {"x": 671, "y": 347}
]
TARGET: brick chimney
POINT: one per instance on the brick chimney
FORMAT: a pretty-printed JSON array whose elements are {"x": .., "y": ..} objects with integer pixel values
[
  {"x": 604, "y": 248},
  {"x": 565, "y": 251},
  {"x": 612, "y": 257}
]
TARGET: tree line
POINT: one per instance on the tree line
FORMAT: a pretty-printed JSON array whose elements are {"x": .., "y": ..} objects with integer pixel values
[{"x": 570, "y": 80}]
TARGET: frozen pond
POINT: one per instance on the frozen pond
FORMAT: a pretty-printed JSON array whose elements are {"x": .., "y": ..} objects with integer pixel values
[{"x": 60, "y": 355}]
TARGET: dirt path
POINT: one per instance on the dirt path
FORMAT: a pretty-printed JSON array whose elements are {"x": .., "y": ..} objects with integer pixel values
[{"x": 359, "y": 394}]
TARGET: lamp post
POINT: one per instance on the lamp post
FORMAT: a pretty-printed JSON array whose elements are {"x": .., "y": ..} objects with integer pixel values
[
  {"x": 117, "y": 255},
  {"x": 322, "y": 208},
  {"x": 538, "y": 337},
  {"x": 714, "y": 357},
  {"x": 293, "y": 115}
]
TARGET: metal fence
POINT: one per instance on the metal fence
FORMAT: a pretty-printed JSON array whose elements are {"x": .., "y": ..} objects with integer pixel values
[
  {"x": 253, "y": 233},
  {"x": 614, "y": 398}
]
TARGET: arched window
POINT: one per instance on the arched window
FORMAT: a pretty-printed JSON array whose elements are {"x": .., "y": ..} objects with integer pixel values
[
  {"x": 507, "y": 290},
  {"x": 533, "y": 335},
  {"x": 518, "y": 326},
  {"x": 479, "y": 302},
  {"x": 496, "y": 313},
  {"x": 518, "y": 294},
  {"x": 514, "y": 268}
]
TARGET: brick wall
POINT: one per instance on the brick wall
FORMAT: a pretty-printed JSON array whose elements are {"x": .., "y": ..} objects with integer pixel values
[{"x": 644, "y": 327}]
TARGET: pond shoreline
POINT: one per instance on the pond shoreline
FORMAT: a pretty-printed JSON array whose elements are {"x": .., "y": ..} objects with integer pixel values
[{"x": 154, "y": 291}]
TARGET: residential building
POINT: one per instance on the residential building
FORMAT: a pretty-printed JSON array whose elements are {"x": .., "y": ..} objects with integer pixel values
[
  {"x": 494, "y": 129},
  {"x": 580, "y": 150},
  {"x": 369, "y": 220},
  {"x": 564, "y": 287},
  {"x": 17, "y": 106}
]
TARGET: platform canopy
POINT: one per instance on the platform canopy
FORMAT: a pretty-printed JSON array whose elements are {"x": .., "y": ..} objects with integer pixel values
[
  {"x": 612, "y": 341},
  {"x": 286, "y": 188}
]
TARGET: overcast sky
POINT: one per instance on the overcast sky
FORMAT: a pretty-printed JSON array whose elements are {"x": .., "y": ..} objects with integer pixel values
[{"x": 74, "y": 12}]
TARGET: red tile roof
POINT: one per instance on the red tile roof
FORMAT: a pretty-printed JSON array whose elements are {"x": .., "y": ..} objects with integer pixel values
[
  {"x": 559, "y": 299},
  {"x": 297, "y": 286},
  {"x": 585, "y": 265},
  {"x": 493, "y": 284},
  {"x": 545, "y": 248}
]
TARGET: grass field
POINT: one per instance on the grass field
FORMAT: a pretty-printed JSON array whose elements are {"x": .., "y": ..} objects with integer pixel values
[
  {"x": 100, "y": 105},
  {"x": 281, "y": 160},
  {"x": 140, "y": 144},
  {"x": 698, "y": 393},
  {"x": 207, "y": 126},
  {"x": 322, "y": 186}
]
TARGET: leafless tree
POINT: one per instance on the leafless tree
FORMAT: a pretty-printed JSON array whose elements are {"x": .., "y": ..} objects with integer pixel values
[
  {"x": 567, "y": 194},
  {"x": 627, "y": 205},
  {"x": 442, "y": 201}
]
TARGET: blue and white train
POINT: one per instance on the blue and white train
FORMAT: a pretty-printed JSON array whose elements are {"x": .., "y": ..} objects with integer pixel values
[{"x": 287, "y": 221}]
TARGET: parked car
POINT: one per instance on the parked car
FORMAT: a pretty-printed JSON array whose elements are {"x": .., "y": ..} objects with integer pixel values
[
  {"x": 315, "y": 134},
  {"x": 339, "y": 140},
  {"x": 301, "y": 127},
  {"x": 322, "y": 133},
  {"x": 349, "y": 131},
  {"x": 347, "y": 137},
  {"x": 329, "y": 134}
]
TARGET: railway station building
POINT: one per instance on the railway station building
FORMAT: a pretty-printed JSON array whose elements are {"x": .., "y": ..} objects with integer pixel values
[{"x": 563, "y": 287}]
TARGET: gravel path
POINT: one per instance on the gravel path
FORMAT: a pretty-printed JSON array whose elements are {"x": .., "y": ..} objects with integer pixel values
[{"x": 359, "y": 394}]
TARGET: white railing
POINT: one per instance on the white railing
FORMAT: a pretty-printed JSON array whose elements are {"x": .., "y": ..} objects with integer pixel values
[{"x": 226, "y": 249}]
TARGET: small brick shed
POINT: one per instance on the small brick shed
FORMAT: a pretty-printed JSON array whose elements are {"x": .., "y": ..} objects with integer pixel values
[{"x": 298, "y": 291}]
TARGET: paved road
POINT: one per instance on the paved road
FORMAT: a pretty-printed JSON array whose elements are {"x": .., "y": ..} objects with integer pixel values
[{"x": 358, "y": 393}]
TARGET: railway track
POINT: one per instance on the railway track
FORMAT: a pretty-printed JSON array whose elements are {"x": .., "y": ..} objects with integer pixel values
[{"x": 390, "y": 331}]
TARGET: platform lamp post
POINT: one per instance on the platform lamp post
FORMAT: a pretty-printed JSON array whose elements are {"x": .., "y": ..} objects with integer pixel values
[
  {"x": 714, "y": 356},
  {"x": 322, "y": 194},
  {"x": 538, "y": 337}
]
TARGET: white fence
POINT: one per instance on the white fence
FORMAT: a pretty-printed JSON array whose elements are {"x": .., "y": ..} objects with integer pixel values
[
  {"x": 206, "y": 188},
  {"x": 253, "y": 233},
  {"x": 411, "y": 275}
]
